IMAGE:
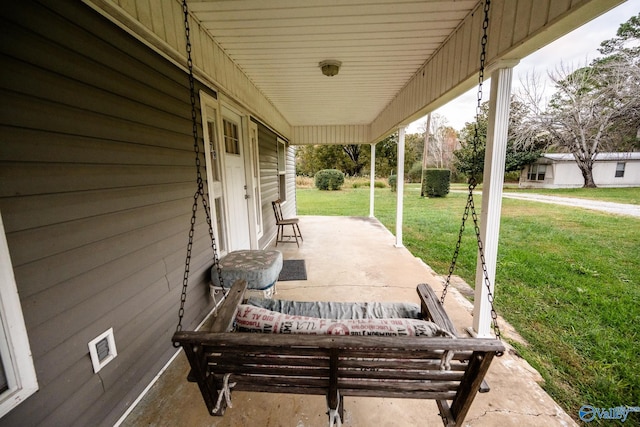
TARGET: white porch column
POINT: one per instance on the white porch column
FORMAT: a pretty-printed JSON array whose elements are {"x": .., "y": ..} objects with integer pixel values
[
  {"x": 373, "y": 181},
  {"x": 400, "y": 187},
  {"x": 494, "y": 163}
]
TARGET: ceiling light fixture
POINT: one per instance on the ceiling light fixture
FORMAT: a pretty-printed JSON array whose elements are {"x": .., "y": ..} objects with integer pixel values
[{"x": 330, "y": 67}]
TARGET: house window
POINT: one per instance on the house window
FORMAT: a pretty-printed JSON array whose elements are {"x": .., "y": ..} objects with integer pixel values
[
  {"x": 18, "y": 376},
  {"x": 282, "y": 169},
  {"x": 537, "y": 172},
  {"x": 620, "y": 170}
]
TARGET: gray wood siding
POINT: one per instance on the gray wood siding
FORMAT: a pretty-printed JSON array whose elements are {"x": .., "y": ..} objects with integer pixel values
[
  {"x": 161, "y": 24},
  {"x": 268, "y": 145},
  {"x": 270, "y": 181},
  {"x": 96, "y": 183}
]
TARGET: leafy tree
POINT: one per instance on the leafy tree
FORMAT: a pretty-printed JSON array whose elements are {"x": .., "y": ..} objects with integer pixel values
[
  {"x": 350, "y": 159},
  {"x": 353, "y": 152},
  {"x": 624, "y": 50},
  {"x": 623, "y": 44},
  {"x": 595, "y": 108},
  {"x": 354, "y": 160},
  {"x": 305, "y": 160},
  {"x": 516, "y": 158},
  {"x": 387, "y": 153},
  {"x": 414, "y": 144}
]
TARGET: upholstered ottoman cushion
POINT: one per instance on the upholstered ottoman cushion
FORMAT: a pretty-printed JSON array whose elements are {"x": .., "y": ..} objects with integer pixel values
[{"x": 259, "y": 268}]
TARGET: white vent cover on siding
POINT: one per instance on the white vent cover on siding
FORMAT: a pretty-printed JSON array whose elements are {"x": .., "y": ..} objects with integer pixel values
[{"x": 102, "y": 350}]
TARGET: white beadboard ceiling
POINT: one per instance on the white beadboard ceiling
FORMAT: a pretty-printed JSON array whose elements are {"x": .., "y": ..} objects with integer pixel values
[{"x": 381, "y": 44}]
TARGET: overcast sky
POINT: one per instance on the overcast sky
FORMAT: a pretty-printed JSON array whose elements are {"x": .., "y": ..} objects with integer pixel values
[{"x": 575, "y": 49}]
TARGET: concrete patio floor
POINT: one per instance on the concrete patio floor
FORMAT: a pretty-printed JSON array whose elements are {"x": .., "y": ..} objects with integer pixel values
[{"x": 354, "y": 259}]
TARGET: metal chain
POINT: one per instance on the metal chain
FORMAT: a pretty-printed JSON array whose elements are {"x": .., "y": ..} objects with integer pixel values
[
  {"x": 476, "y": 138},
  {"x": 470, "y": 205},
  {"x": 200, "y": 182}
]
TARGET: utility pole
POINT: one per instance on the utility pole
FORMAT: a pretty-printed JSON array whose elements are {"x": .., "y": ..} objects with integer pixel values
[{"x": 425, "y": 152}]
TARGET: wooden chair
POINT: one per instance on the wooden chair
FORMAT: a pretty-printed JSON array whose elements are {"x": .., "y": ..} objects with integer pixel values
[{"x": 282, "y": 222}]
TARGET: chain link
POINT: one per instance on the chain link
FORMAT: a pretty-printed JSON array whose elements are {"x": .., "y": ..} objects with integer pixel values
[
  {"x": 200, "y": 192},
  {"x": 470, "y": 205}
]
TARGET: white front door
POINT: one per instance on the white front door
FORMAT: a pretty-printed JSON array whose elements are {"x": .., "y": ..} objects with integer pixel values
[{"x": 235, "y": 181}]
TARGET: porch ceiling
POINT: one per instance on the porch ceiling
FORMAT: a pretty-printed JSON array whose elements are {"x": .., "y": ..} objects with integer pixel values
[
  {"x": 400, "y": 58},
  {"x": 381, "y": 45}
]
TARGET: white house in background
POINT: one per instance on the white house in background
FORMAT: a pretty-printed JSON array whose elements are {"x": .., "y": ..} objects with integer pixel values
[{"x": 561, "y": 171}]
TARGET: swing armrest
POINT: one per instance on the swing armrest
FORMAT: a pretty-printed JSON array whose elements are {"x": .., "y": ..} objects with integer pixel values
[
  {"x": 432, "y": 309},
  {"x": 227, "y": 311},
  {"x": 226, "y": 314}
]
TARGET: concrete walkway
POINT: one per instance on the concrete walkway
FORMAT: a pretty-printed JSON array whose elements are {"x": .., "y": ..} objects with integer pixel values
[
  {"x": 354, "y": 259},
  {"x": 610, "y": 207}
]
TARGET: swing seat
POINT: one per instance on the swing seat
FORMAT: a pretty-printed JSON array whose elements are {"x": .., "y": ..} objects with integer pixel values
[{"x": 337, "y": 366}]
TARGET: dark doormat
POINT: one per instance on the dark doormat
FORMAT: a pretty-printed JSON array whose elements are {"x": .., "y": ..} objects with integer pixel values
[{"x": 293, "y": 269}]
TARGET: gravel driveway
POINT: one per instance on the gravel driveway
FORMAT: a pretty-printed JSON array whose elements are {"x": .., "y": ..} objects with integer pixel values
[{"x": 614, "y": 208}]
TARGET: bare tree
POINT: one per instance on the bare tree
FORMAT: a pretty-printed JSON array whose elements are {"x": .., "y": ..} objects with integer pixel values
[
  {"x": 427, "y": 135},
  {"x": 595, "y": 108},
  {"x": 442, "y": 141},
  {"x": 581, "y": 116}
]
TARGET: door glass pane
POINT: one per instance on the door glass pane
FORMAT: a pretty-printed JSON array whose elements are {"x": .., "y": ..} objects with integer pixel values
[
  {"x": 215, "y": 168},
  {"x": 4, "y": 384},
  {"x": 256, "y": 177},
  {"x": 222, "y": 247},
  {"x": 282, "y": 155},
  {"x": 231, "y": 141}
]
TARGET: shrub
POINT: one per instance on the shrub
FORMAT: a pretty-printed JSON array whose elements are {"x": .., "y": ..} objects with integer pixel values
[
  {"x": 513, "y": 176},
  {"x": 436, "y": 182},
  {"x": 393, "y": 182},
  {"x": 329, "y": 179},
  {"x": 304, "y": 182},
  {"x": 415, "y": 173},
  {"x": 459, "y": 177},
  {"x": 376, "y": 184}
]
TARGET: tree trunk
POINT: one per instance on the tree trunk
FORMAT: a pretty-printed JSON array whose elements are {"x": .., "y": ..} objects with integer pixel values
[{"x": 587, "y": 174}]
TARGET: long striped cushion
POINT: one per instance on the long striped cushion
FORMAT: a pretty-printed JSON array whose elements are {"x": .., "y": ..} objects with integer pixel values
[{"x": 256, "y": 319}]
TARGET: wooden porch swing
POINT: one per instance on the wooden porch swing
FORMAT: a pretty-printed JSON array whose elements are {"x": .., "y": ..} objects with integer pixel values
[{"x": 448, "y": 369}]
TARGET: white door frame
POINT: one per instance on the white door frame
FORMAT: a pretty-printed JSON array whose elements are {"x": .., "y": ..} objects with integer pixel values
[
  {"x": 210, "y": 110},
  {"x": 249, "y": 140},
  {"x": 15, "y": 351}
]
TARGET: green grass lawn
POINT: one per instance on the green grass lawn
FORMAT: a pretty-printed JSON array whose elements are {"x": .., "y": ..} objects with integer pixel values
[{"x": 568, "y": 280}]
